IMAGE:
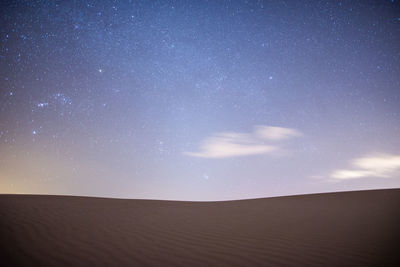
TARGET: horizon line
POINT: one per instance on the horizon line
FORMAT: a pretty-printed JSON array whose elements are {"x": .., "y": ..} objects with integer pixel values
[{"x": 200, "y": 201}]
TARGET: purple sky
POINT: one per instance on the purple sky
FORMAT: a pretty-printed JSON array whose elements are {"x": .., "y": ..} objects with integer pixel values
[{"x": 199, "y": 100}]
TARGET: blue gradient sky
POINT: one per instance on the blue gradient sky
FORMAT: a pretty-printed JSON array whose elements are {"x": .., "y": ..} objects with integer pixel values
[{"x": 199, "y": 100}]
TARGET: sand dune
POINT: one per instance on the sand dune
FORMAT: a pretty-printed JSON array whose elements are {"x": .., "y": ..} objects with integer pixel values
[{"x": 359, "y": 228}]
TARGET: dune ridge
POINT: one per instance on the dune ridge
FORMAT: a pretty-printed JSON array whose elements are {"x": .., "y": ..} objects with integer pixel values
[{"x": 359, "y": 228}]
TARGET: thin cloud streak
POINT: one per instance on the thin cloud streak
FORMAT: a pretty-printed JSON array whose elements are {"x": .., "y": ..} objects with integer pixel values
[
  {"x": 380, "y": 165},
  {"x": 275, "y": 133},
  {"x": 232, "y": 144}
]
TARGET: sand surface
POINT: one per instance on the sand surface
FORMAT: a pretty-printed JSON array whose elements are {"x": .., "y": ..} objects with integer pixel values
[{"x": 360, "y": 228}]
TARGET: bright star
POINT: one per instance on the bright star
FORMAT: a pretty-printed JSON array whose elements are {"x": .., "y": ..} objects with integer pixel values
[{"x": 41, "y": 105}]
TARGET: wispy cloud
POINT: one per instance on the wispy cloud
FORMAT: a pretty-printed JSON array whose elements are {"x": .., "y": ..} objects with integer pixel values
[
  {"x": 379, "y": 165},
  {"x": 275, "y": 133},
  {"x": 232, "y": 144}
]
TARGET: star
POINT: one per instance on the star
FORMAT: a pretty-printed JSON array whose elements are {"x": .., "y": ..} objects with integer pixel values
[{"x": 43, "y": 104}]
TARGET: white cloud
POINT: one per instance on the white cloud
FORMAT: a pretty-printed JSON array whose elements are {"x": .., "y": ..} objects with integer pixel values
[
  {"x": 380, "y": 165},
  {"x": 232, "y": 144},
  {"x": 275, "y": 133}
]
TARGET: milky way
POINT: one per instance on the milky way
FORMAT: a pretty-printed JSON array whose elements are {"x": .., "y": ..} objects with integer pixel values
[{"x": 199, "y": 100}]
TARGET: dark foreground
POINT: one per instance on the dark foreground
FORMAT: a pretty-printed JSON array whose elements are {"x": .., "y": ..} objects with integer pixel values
[{"x": 359, "y": 228}]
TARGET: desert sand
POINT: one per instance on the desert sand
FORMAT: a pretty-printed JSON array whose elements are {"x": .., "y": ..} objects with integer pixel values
[{"x": 359, "y": 228}]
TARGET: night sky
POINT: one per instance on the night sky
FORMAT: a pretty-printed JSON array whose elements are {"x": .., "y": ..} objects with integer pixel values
[{"x": 199, "y": 100}]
